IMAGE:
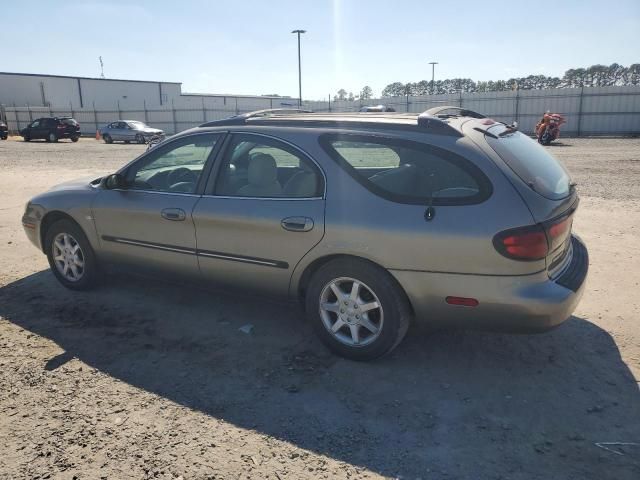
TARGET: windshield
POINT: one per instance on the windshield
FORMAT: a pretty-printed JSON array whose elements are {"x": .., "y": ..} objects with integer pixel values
[
  {"x": 137, "y": 125},
  {"x": 531, "y": 162}
]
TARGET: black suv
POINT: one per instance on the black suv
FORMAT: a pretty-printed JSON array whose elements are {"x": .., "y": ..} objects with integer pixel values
[
  {"x": 51, "y": 129},
  {"x": 4, "y": 131}
]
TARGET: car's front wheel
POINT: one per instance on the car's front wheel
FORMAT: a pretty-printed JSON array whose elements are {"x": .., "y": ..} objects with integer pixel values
[
  {"x": 357, "y": 309},
  {"x": 139, "y": 138},
  {"x": 52, "y": 137},
  {"x": 70, "y": 256},
  {"x": 107, "y": 138}
]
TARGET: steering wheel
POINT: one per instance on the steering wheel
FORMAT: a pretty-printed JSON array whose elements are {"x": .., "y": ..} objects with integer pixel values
[{"x": 181, "y": 175}]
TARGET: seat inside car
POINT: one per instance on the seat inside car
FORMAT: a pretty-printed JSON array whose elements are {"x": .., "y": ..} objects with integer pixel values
[
  {"x": 301, "y": 184},
  {"x": 262, "y": 176}
]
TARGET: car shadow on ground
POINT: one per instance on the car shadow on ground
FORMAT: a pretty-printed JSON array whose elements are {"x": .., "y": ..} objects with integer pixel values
[{"x": 443, "y": 405}]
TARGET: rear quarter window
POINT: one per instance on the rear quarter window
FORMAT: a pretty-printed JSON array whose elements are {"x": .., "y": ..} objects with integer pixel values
[
  {"x": 405, "y": 171},
  {"x": 532, "y": 163}
]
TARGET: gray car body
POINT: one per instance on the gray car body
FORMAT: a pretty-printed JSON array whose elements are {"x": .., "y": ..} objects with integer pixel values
[
  {"x": 239, "y": 242},
  {"x": 126, "y": 131}
]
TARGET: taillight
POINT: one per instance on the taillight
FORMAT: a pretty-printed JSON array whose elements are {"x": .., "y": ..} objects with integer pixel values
[
  {"x": 522, "y": 243},
  {"x": 60, "y": 127}
]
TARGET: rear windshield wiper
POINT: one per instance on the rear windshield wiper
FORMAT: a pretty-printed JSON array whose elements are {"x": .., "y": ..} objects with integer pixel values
[{"x": 486, "y": 132}]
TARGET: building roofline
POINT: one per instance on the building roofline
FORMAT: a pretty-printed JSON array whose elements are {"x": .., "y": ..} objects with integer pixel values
[
  {"x": 190, "y": 94},
  {"x": 86, "y": 78}
]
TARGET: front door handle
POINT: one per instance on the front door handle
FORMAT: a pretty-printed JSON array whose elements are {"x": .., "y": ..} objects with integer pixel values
[
  {"x": 297, "y": 224},
  {"x": 174, "y": 214}
]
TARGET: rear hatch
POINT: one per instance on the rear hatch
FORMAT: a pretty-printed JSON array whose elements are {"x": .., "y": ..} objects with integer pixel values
[
  {"x": 545, "y": 186},
  {"x": 69, "y": 126}
]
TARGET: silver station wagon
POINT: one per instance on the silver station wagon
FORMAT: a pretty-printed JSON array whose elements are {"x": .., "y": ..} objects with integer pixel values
[{"x": 369, "y": 219}]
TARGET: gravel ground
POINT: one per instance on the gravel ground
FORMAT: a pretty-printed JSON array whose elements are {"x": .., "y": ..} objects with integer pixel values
[{"x": 141, "y": 379}]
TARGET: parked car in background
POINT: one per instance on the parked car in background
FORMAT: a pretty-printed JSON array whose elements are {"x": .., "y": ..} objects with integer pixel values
[
  {"x": 377, "y": 108},
  {"x": 52, "y": 129},
  {"x": 4, "y": 130},
  {"x": 452, "y": 218},
  {"x": 128, "y": 131}
]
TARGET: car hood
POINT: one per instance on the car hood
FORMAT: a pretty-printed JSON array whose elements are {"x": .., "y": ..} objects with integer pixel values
[{"x": 83, "y": 183}]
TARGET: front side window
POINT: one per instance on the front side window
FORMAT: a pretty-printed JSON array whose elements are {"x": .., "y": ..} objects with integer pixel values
[
  {"x": 35, "y": 124},
  {"x": 256, "y": 166},
  {"x": 175, "y": 167},
  {"x": 408, "y": 172}
]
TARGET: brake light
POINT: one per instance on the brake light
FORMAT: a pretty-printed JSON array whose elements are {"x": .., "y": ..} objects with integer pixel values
[
  {"x": 60, "y": 127},
  {"x": 522, "y": 243}
]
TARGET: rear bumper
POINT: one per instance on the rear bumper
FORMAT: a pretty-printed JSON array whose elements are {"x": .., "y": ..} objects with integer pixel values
[{"x": 518, "y": 304}]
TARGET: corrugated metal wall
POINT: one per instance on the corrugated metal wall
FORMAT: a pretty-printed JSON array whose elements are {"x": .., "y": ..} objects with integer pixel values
[{"x": 589, "y": 111}]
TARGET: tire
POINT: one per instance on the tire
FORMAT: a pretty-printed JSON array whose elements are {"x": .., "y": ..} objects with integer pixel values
[
  {"x": 52, "y": 137},
  {"x": 376, "y": 285},
  {"x": 139, "y": 138},
  {"x": 107, "y": 138},
  {"x": 88, "y": 274},
  {"x": 75, "y": 139},
  {"x": 127, "y": 142}
]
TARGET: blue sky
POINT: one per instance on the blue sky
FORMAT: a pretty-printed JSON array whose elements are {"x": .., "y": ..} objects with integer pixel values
[{"x": 245, "y": 47}]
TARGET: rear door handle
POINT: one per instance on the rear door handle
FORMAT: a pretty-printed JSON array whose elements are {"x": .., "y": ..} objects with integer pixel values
[
  {"x": 297, "y": 224},
  {"x": 174, "y": 214}
]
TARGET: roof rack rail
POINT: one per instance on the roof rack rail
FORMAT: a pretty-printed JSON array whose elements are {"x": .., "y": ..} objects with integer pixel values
[
  {"x": 243, "y": 117},
  {"x": 461, "y": 112}
]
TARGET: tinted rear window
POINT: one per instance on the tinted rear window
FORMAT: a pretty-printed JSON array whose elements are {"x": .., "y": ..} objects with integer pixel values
[
  {"x": 408, "y": 172},
  {"x": 69, "y": 121},
  {"x": 532, "y": 163}
]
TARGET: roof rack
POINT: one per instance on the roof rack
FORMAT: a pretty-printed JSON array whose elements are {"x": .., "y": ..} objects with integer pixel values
[
  {"x": 243, "y": 117},
  {"x": 461, "y": 112}
]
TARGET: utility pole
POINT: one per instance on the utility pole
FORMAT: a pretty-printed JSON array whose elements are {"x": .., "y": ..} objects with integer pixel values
[
  {"x": 299, "y": 68},
  {"x": 101, "y": 67},
  {"x": 433, "y": 74}
]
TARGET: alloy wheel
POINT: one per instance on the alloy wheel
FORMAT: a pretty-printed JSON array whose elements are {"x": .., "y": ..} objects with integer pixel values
[
  {"x": 68, "y": 257},
  {"x": 351, "y": 311}
]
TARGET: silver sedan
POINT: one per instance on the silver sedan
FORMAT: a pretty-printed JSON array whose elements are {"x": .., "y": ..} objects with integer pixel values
[{"x": 128, "y": 131}]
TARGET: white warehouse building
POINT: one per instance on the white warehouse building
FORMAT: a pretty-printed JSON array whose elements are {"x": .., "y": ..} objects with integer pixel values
[{"x": 58, "y": 91}]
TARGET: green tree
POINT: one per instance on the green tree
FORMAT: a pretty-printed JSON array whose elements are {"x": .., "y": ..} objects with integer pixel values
[
  {"x": 395, "y": 89},
  {"x": 366, "y": 93},
  {"x": 342, "y": 94}
]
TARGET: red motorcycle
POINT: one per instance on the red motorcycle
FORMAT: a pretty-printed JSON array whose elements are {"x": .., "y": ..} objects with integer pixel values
[{"x": 548, "y": 128}]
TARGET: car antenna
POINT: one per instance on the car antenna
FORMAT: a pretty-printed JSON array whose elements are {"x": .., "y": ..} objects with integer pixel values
[{"x": 430, "y": 212}]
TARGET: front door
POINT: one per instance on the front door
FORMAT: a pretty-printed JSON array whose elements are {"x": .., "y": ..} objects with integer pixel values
[
  {"x": 149, "y": 223},
  {"x": 260, "y": 215}
]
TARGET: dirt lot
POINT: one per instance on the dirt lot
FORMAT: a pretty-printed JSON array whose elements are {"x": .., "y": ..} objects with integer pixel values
[{"x": 141, "y": 379}]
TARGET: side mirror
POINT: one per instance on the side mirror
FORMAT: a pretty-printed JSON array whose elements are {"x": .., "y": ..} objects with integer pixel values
[{"x": 115, "y": 181}]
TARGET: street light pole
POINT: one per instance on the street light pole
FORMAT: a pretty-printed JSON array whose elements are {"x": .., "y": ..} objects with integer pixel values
[
  {"x": 299, "y": 68},
  {"x": 433, "y": 74}
]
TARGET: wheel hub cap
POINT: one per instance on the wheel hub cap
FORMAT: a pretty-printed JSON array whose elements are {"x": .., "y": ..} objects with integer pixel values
[
  {"x": 68, "y": 257},
  {"x": 351, "y": 312}
]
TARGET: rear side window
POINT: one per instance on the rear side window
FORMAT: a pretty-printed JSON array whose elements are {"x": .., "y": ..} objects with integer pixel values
[
  {"x": 69, "y": 121},
  {"x": 408, "y": 172},
  {"x": 532, "y": 163}
]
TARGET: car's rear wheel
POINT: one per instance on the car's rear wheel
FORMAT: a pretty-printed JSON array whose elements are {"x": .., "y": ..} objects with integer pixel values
[
  {"x": 52, "y": 137},
  {"x": 127, "y": 141},
  {"x": 139, "y": 138},
  {"x": 357, "y": 309},
  {"x": 70, "y": 255},
  {"x": 107, "y": 138},
  {"x": 74, "y": 139}
]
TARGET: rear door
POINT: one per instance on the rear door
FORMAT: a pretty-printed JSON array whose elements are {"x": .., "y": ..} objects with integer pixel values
[
  {"x": 149, "y": 224},
  {"x": 262, "y": 212}
]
